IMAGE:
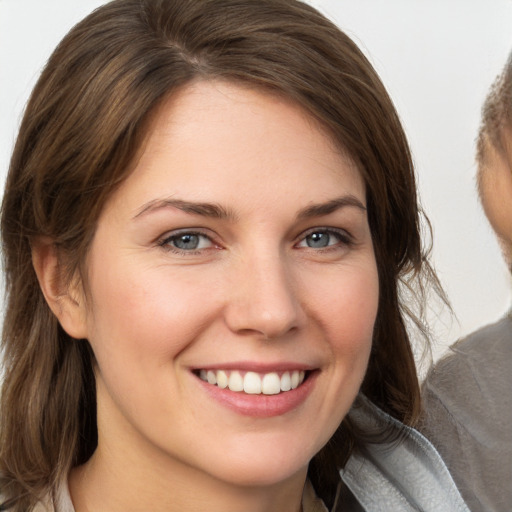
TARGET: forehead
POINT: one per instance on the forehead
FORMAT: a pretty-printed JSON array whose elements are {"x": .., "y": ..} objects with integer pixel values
[
  {"x": 228, "y": 103},
  {"x": 213, "y": 132}
]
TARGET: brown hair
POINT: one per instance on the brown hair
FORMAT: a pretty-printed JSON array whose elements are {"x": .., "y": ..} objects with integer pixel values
[
  {"x": 496, "y": 120},
  {"x": 494, "y": 143},
  {"x": 82, "y": 128}
]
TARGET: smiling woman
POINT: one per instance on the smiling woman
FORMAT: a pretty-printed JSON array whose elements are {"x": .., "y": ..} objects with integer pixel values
[
  {"x": 208, "y": 214},
  {"x": 248, "y": 298}
]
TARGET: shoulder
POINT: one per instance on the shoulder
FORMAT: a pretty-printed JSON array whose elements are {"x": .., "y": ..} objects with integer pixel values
[
  {"x": 40, "y": 506},
  {"x": 405, "y": 473},
  {"x": 61, "y": 502},
  {"x": 44, "y": 507},
  {"x": 490, "y": 343},
  {"x": 474, "y": 378},
  {"x": 467, "y": 413},
  {"x": 491, "y": 340}
]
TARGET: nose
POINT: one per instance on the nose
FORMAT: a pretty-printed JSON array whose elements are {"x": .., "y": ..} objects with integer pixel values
[{"x": 263, "y": 298}]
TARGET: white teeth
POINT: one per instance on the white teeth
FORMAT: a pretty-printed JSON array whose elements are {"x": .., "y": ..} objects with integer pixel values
[
  {"x": 286, "y": 382},
  {"x": 295, "y": 379},
  {"x": 254, "y": 383},
  {"x": 271, "y": 384},
  {"x": 235, "y": 382},
  {"x": 222, "y": 379}
]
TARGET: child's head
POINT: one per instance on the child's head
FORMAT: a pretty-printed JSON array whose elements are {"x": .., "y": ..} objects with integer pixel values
[{"x": 494, "y": 159}]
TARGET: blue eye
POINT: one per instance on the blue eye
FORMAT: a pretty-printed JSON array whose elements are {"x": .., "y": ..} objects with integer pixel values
[
  {"x": 318, "y": 240},
  {"x": 187, "y": 241},
  {"x": 322, "y": 238}
]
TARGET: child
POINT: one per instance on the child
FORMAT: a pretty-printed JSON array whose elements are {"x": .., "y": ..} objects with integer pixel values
[{"x": 468, "y": 394}]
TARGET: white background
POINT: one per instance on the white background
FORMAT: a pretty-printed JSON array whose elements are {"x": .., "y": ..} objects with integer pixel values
[{"x": 437, "y": 59}]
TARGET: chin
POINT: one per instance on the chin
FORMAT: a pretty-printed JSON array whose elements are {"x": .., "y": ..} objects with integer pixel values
[
  {"x": 262, "y": 465},
  {"x": 264, "y": 474}
]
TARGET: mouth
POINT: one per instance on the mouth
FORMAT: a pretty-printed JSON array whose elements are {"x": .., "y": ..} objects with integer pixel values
[{"x": 254, "y": 383}]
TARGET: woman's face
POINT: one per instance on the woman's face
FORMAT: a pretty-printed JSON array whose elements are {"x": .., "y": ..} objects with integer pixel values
[{"x": 233, "y": 291}]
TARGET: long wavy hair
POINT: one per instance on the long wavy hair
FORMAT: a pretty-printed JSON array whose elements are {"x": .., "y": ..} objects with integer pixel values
[{"x": 81, "y": 130}]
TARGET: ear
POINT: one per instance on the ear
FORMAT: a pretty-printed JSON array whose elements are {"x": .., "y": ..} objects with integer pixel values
[{"x": 65, "y": 299}]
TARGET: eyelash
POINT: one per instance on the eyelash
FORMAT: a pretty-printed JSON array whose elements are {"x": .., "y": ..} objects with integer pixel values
[
  {"x": 165, "y": 243},
  {"x": 344, "y": 239}
]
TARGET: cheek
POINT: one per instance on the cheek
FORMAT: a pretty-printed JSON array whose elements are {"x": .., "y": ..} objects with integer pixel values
[
  {"x": 144, "y": 312},
  {"x": 496, "y": 194},
  {"x": 347, "y": 314},
  {"x": 353, "y": 331},
  {"x": 349, "y": 310}
]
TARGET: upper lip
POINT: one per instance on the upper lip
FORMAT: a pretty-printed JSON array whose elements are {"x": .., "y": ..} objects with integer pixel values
[{"x": 257, "y": 367}]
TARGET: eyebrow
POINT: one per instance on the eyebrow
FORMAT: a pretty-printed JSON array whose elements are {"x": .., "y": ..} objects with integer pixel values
[
  {"x": 211, "y": 210},
  {"x": 217, "y": 211},
  {"x": 318, "y": 210}
]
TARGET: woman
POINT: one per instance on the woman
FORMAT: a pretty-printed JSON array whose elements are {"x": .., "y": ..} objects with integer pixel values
[{"x": 209, "y": 209}]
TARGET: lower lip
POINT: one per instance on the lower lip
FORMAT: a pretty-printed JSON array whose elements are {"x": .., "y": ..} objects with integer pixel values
[{"x": 261, "y": 406}]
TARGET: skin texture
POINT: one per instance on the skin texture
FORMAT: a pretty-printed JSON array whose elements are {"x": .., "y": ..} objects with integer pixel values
[
  {"x": 252, "y": 293},
  {"x": 495, "y": 186}
]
